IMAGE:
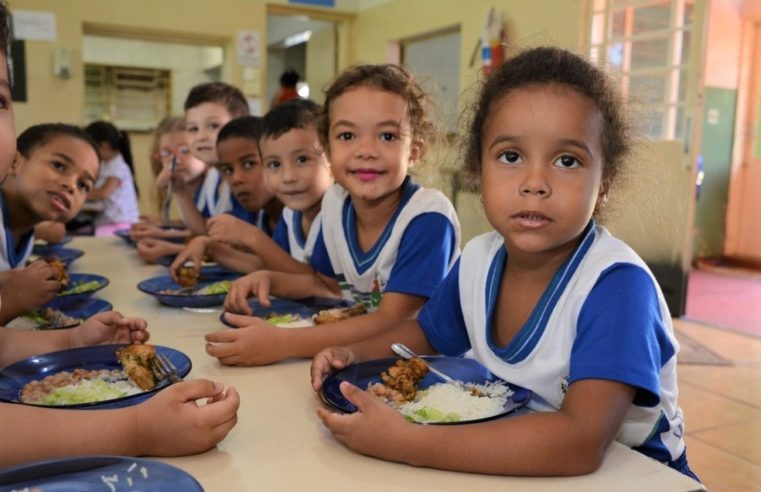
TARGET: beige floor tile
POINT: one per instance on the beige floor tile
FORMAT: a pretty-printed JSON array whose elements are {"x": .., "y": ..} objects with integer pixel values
[
  {"x": 705, "y": 410},
  {"x": 739, "y": 383},
  {"x": 730, "y": 345},
  {"x": 721, "y": 471},
  {"x": 742, "y": 440}
]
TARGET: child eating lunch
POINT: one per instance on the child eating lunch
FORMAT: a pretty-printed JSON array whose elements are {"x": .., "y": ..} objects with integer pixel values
[
  {"x": 549, "y": 300},
  {"x": 171, "y": 423},
  {"x": 296, "y": 171},
  {"x": 54, "y": 168},
  {"x": 385, "y": 243}
]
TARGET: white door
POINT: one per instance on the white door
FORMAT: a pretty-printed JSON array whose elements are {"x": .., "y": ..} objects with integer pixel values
[{"x": 743, "y": 239}]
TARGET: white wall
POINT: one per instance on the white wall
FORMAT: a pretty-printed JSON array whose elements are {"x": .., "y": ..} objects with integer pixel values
[{"x": 186, "y": 62}]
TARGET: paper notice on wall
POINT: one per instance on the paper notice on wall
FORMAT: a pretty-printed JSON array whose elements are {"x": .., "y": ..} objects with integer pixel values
[
  {"x": 34, "y": 25},
  {"x": 249, "y": 48}
]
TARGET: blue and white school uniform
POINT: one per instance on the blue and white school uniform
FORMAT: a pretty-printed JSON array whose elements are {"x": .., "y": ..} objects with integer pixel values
[
  {"x": 213, "y": 197},
  {"x": 289, "y": 235},
  {"x": 413, "y": 254},
  {"x": 601, "y": 317},
  {"x": 259, "y": 218},
  {"x": 11, "y": 257}
]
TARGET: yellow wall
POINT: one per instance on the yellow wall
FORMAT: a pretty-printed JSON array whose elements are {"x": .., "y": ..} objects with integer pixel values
[
  {"x": 529, "y": 23},
  {"x": 54, "y": 99}
]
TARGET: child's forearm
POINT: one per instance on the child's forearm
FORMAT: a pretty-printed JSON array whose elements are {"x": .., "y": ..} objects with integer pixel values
[
  {"x": 232, "y": 258},
  {"x": 190, "y": 214},
  {"x": 16, "y": 345},
  {"x": 307, "y": 342},
  {"x": 557, "y": 443},
  {"x": 274, "y": 257},
  {"x": 31, "y": 433}
]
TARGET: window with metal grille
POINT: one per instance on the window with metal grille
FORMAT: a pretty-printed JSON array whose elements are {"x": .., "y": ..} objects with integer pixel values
[
  {"x": 646, "y": 44},
  {"x": 131, "y": 98}
]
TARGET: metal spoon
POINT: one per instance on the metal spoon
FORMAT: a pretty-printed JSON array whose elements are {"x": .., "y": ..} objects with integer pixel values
[{"x": 403, "y": 351}]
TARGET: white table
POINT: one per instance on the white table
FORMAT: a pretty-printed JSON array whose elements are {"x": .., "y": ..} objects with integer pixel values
[{"x": 280, "y": 444}]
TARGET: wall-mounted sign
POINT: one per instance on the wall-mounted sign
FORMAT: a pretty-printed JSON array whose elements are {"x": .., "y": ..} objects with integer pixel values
[
  {"x": 34, "y": 25},
  {"x": 249, "y": 48}
]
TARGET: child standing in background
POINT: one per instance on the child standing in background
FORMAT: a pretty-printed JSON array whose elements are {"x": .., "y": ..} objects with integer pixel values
[
  {"x": 208, "y": 108},
  {"x": 55, "y": 168},
  {"x": 241, "y": 167},
  {"x": 297, "y": 172},
  {"x": 385, "y": 242},
  {"x": 549, "y": 301},
  {"x": 115, "y": 186}
]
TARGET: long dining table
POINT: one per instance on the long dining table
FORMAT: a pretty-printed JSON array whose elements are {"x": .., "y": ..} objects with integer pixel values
[{"x": 279, "y": 443}]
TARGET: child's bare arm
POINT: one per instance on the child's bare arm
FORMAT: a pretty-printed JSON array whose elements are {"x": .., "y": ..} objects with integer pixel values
[
  {"x": 394, "y": 309},
  {"x": 234, "y": 258},
  {"x": 227, "y": 229},
  {"x": 190, "y": 214},
  {"x": 571, "y": 441},
  {"x": 165, "y": 425},
  {"x": 28, "y": 288},
  {"x": 104, "y": 191}
]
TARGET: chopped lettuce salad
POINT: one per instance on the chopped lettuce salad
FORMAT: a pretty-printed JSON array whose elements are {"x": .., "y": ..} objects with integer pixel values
[
  {"x": 82, "y": 287},
  {"x": 221, "y": 287}
]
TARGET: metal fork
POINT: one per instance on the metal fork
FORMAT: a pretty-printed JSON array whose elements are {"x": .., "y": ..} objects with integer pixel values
[
  {"x": 165, "y": 207},
  {"x": 163, "y": 369}
]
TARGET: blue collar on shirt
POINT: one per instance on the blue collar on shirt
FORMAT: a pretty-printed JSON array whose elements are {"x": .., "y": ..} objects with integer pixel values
[
  {"x": 15, "y": 256},
  {"x": 298, "y": 232},
  {"x": 259, "y": 218},
  {"x": 365, "y": 259},
  {"x": 530, "y": 333}
]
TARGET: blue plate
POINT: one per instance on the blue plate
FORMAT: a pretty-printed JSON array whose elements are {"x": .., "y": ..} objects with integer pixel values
[
  {"x": 124, "y": 235},
  {"x": 76, "y": 279},
  {"x": 154, "y": 286},
  {"x": 86, "y": 473},
  {"x": 79, "y": 307},
  {"x": 305, "y": 308},
  {"x": 466, "y": 370},
  {"x": 15, "y": 376},
  {"x": 66, "y": 255}
]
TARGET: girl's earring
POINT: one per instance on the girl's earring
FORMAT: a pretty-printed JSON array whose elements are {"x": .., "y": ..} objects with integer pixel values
[{"x": 481, "y": 197}]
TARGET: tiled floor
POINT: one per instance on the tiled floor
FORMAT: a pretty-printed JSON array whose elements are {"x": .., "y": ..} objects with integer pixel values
[{"x": 722, "y": 407}]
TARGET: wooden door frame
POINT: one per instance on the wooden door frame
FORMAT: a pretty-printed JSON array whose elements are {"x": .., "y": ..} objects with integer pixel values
[{"x": 745, "y": 85}]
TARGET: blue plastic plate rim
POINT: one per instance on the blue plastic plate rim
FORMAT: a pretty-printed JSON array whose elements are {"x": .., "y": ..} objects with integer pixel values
[
  {"x": 153, "y": 286},
  {"x": 66, "y": 255},
  {"x": 466, "y": 370},
  {"x": 15, "y": 376},
  {"x": 306, "y": 308},
  {"x": 124, "y": 234},
  {"x": 87, "y": 472},
  {"x": 81, "y": 307},
  {"x": 77, "y": 278}
]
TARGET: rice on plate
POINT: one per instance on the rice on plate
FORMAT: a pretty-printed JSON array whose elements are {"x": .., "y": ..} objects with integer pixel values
[{"x": 442, "y": 402}]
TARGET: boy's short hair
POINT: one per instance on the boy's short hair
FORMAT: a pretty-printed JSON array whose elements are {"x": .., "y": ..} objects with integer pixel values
[
  {"x": 248, "y": 127},
  {"x": 227, "y": 95},
  {"x": 296, "y": 113},
  {"x": 38, "y": 135}
]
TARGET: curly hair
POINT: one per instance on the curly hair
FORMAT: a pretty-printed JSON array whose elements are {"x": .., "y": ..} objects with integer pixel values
[
  {"x": 227, "y": 95},
  {"x": 549, "y": 65},
  {"x": 388, "y": 77}
]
